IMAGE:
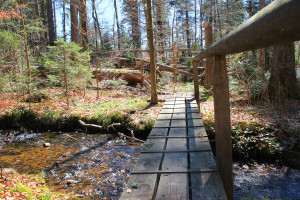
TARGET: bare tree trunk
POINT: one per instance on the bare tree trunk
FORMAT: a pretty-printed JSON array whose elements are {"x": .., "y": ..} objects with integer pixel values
[
  {"x": 83, "y": 25},
  {"x": 201, "y": 23},
  {"x": 74, "y": 21},
  {"x": 97, "y": 22},
  {"x": 64, "y": 20},
  {"x": 195, "y": 10},
  {"x": 209, "y": 61},
  {"x": 154, "y": 98},
  {"x": 54, "y": 18},
  {"x": 262, "y": 52},
  {"x": 51, "y": 28},
  {"x": 118, "y": 26},
  {"x": 27, "y": 59},
  {"x": 283, "y": 72},
  {"x": 135, "y": 27},
  {"x": 219, "y": 20},
  {"x": 188, "y": 39}
]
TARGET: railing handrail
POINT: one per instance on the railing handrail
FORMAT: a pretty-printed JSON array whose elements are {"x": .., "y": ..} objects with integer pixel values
[{"x": 279, "y": 22}]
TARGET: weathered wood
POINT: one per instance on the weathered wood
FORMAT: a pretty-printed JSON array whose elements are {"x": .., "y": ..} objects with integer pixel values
[
  {"x": 222, "y": 123},
  {"x": 139, "y": 187},
  {"x": 202, "y": 184},
  {"x": 159, "y": 132},
  {"x": 173, "y": 186},
  {"x": 276, "y": 23},
  {"x": 177, "y": 161},
  {"x": 194, "y": 122},
  {"x": 196, "y": 80}
]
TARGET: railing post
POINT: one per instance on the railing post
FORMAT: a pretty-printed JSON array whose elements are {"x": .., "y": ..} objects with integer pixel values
[
  {"x": 222, "y": 123},
  {"x": 196, "y": 81}
]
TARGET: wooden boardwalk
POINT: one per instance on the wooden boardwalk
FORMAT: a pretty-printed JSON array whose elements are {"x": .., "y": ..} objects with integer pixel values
[{"x": 177, "y": 161}]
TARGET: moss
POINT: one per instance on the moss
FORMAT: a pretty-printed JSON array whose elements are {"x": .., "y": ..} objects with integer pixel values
[{"x": 59, "y": 121}]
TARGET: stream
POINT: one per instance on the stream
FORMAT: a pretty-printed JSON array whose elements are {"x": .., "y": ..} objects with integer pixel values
[{"x": 98, "y": 166}]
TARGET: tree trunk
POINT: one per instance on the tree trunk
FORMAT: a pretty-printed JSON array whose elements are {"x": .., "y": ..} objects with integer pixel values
[
  {"x": 262, "y": 52},
  {"x": 64, "y": 20},
  {"x": 154, "y": 98},
  {"x": 83, "y": 25},
  {"x": 201, "y": 23},
  {"x": 209, "y": 61},
  {"x": 74, "y": 21},
  {"x": 97, "y": 22},
  {"x": 44, "y": 19},
  {"x": 51, "y": 28},
  {"x": 188, "y": 39},
  {"x": 135, "y": 27},
  {"x": 283, "y": 82},
  {"x": 118, "y": 26}
]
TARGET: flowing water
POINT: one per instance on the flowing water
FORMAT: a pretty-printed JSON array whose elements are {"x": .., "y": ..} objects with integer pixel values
[
  {"x": 98, "y": 166},
  {"x": 91, "y": 166}
]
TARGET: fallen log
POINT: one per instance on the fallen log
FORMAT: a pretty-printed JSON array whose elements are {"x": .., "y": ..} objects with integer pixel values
[{"x": 102, "y": 127}]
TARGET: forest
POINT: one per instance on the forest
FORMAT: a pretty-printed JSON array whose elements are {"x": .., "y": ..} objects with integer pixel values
[{"x": 83, "y": 77}]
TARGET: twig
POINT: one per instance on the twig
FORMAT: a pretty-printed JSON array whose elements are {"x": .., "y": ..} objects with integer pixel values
[
  {"x": 76, "y": 140},
  {"x": 128, "y": 137},
  {"x": 97, "y": 126},
  {"x": 131, "y": 138}
]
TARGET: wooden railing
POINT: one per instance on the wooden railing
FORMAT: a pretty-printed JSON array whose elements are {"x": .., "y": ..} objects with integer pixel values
[{"x": 277, "y": 23}]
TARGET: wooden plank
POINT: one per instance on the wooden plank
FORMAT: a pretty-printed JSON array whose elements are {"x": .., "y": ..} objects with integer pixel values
[
  {"x": 179, "y": 116},
  {"x": 199, "y": 143},
  {"x": 159, "y": 132},
  {"x": 177, "y": 132},
  {"x": 179, "y": 105},
  {"x": 142, "y": 186},
  {"x": 164, "y": 123},
  {"x": 139, "y": 186},
  {"x": 176, "y": 144},
  {"x": 176, "y": 151},
  {"x": 148, "y": 162},
  {"x": 207, "y": 186},
  {"x": 194, "y": 122},
  {"x": 178, "y": 123},
  {"x": 173, "y": 186},
  {"x": 198, "y": 131},
  {"x": 166, "y": 111},
  {"x": 162, "y": 116},
  {"x": 179, "y": 110},
  {"x": 168, "y": 106},
  {"x": 222, "y": 123},
  {"x": 191, "y": 171},
  {"x": 196, "y": 80},
  {"x": 193, "y": 116},
  {"x": 189, "y": 110},
  {"x": 154, "y": 144},
  {"x": 157, "y": 137}
]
